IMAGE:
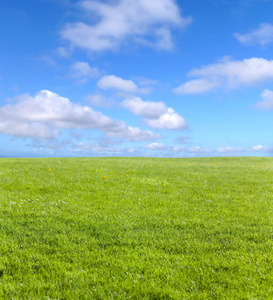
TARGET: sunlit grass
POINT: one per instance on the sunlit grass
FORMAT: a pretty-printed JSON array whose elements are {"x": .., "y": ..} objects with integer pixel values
[{"x": 136, "y": 228}]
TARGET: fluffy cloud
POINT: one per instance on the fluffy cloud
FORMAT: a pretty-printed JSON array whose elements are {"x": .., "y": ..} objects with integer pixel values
[
  {"x": 142, "y": 81},
  {"x": 45, "y": 114},
  {"x": 267, "y": 103},
  {"x": 24, "y": 129},
  {"x": 122, "y": 85},
  {"x": 82, "y": 71},
  {"x": 262, "y": 35},
  {"x": 197, "y": 150},
  {"x": 169, "y": 120},
  {"x": 99, "y": 100},
  {"x": 114, "y": 82},
  {"x": 147, "y": 109},
  {"x": 196, "y": 86},
  {"x": 133, "y": 134},
  {"x": 260, "y": 148},
  {"x": 156, "y": 114},
  {"x": 228, "y": 74},
  {"x": 144, "y": 22},
  {"x": 229, "y": 150},
  {"x": 157, "y": 146}
]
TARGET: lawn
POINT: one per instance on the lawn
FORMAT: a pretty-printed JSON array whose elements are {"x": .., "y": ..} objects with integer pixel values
[{"x": 136, "y": 228}]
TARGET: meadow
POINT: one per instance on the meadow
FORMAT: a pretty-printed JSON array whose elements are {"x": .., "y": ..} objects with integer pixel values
[{"x": 136, "y": 228}]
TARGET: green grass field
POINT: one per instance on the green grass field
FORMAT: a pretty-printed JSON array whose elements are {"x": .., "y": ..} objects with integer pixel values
[{"x": 136, "y": 228}]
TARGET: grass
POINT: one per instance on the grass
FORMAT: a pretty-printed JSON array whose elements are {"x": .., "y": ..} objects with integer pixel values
[{"x": 136, "y": 228}]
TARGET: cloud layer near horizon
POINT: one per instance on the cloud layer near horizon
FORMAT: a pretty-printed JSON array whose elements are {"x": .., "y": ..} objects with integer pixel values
[{"x": 45, "y": 114}]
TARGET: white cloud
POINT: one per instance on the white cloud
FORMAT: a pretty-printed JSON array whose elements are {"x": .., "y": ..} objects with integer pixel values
[
  {"x": 229, "y": 150},
  {"x": 257, "y": 148},
  {"x": 26, "y": 129},
  {"x": 262, "y": 35},
  {"x": 133, "y": 134},
  {"x": 197, "y": 150},
  {"x": 142, "y": 81},
  {"x": 99, "y": 100},
  {"x": 82, "y": 71},
  {"x": 114, "y": 82},
  {"x": 260, "y": 148},
  {"x": 156, "y": 114},
  {"x": 162, "y": 147},
  {"x": 228, "y": 74},
  {"x": 156, "y": 146},
  {"x": 147, "y": 109},
  {"x": 45, "y": 114},
  {"x": 267, "y": 103},
  {"x": 143, "y": 21},
  {"x": 169, "y": 120},
  {"x": 196, "y": 86}
]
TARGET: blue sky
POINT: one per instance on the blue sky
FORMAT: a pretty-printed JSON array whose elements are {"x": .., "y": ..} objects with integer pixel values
[{"x": 136, "y": 78}]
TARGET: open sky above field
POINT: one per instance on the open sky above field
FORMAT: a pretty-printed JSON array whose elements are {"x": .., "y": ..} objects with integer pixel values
[{"x": 136, "y": 78}]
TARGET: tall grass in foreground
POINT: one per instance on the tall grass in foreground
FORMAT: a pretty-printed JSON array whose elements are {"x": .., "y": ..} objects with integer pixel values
[{"x": 136, "y": 228}]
